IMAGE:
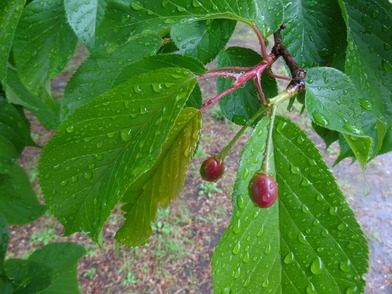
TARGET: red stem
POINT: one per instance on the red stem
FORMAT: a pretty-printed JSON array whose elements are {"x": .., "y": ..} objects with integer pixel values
[
  {"x": 259, "y": 88},
  {"x": 232, "y": 68},
  {"x": 219, "y": 96},
  {"x": 218, "y": 74},
  {"x": 261, "y": 41}
]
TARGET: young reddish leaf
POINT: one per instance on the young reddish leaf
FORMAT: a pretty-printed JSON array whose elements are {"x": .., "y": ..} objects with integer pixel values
[
  {"x": 309, "y": 242},
  {"x": 163, "y": 182},
  {"x": 105, "y": 145}
]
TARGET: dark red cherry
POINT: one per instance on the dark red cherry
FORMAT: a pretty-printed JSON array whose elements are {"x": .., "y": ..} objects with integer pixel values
[
  {"x": 212, "y": 169},
  {"x": 263, "y": 190}
]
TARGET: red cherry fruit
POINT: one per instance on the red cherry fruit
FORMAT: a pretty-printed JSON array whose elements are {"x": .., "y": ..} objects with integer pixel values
[
  {"x": 212, "y": 169},
  {"x": 263, "y": 190}
]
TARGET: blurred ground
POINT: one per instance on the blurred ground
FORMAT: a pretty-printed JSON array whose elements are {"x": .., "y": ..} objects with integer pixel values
[{"x": 177, "y": 259}]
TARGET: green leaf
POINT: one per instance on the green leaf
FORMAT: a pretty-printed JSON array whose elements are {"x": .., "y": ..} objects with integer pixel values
[
  {"x": 42, "y": 104},
  {"x": 122, "y": 19},
  {"x": 333, "y": 103},
  {"x": 327, "y": 135},
  {"x": 18, "y": 202},
  {"x": 104, "y": 146},
  {"x": 4, "y": 240},
  {"x": 14, "y": 132},
  {"x": 163, "y": 182},
  {"x": 84, "y": 17},
  {"x": 307, "y": 242},
  {"x": 99, "y": 72},
  {"x": 203, "y": 39},
  {"x": 240, "y": 105},
  {"x": 315, "y": 31},
  {"x": 9, "y": 17},
  {"x": 155, "y": 62},
  {"x": 44, "y": 267},
  {"x": 369, "y": 64},
  {"x": 5, "y": 285},
  {"x": 44, "y": 42},
  {"x": 66, "y": 283}
]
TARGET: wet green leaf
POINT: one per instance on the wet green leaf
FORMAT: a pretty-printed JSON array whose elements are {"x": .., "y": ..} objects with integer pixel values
[
  {"x": 163, "y": 182},
  {"x": 333, "y": 103},
  {"x": 9, "y": 17},
  {"x": 100, "y": 71},
  {"x": 18, "y": 202},
  {"x": 122, "y": 19},
  {"x": 44, "y": 42},
  {"x": 84, "y": 17},
  {"x": 307, "y": 242},
  {"x": 105, "y": 145},
  {"x": 203, "y": 39},
  {"x": 369, "y": 65},
  {"x": 315, "y": 31},
  {"x": 45, "y": 267},
  {"x": 41, "y": 103},
  {"x": 4, "y": 240},
  {"x": 240, "y": 105},
  {"x": 14, "y": 133}
]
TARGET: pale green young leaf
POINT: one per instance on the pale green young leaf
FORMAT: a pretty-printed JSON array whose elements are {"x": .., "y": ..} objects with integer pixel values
[
  {"x": 84, "y": 17},
  {"x": 105, "y": 145},
  {"x": 307, "y": 242},
  {"x": 163, "y": 182},
  {"x": 10, "y": 11}
]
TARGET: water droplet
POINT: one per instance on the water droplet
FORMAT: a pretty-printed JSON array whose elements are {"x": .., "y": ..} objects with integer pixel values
[
  {"x": 226, "y": 291},
  {"x": 236, "y": 248},
  {"x": 320, "y": 119},
  {"x": 345, "y": 265},
  {"x": 265, "y": 283},
  {"x": 316, "y": 266},
  {"x": 88, "y": 174},
  {"x": 305, "y": 183},
  {"x": 333, "y": 210},
  {"x": 64, "y": 183},
  {"x": 342, "y": 226},
  {"x": 289, "y": 258},
  {"x": 268, "y": 249},
  {"x": 74, "y": 179},
  {"x": 352, "y": 290},
  {"x": 261, "y": 231},
  {"x": 305, "y": 209},
  {"x": 137, "y": 6},
  {"x": 351, "y": 128},
  {"x": 325, "y": 233},
  {"x": 294, "y": 169},
  {"x": 310, "y": 289},
  {"x": 302, "y": 238},
  {"x": 111, "y": 135},
  {"x": 69, "y": 129},
  {"x": 126, "y": 134},
  {"x": 237, "y": 227}
]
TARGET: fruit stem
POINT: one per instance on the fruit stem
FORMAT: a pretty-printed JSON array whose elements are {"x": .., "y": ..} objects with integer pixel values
[
  {"x": 221, "y": 156},
  {"x": 265, "y": 167},
  {"x": 293, "y": 88}
]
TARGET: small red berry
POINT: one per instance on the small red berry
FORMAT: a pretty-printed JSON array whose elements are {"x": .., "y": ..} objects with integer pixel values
[
  {"x": 212, "y": 169},
  {"x": 263, "y": 190}
]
